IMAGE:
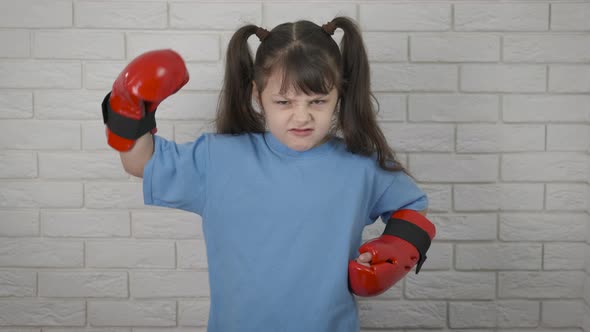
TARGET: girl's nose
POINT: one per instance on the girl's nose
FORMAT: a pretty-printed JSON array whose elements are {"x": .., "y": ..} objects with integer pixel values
[{"x": 301, "y": 114}]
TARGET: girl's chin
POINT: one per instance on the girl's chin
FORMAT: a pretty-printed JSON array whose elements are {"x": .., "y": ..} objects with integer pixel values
[{"x": 299, "y": 148}]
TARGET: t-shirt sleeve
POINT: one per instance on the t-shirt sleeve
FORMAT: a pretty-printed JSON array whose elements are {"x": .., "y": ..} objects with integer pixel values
[
  {"x": 175, "y": 176},
  {"x": 401, "y": 193}
]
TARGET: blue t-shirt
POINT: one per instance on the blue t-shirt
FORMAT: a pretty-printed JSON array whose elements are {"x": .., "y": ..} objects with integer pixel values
[{"x": 280, "y": 225}]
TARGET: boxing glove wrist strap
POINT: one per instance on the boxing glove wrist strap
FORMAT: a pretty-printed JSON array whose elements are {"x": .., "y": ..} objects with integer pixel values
[
  {"x": 411, "y": 233},
  {"x": 124, "y": 126}
]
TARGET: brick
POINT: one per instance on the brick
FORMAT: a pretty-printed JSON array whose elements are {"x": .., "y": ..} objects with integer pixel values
[
  {"x": 278, "y": 13},
  {"x": 83, "y": 284},
  {"x": 386, "y": 46},
  {"x": 440, "y": 257},
  {"x": 419, "y": 137},
  {"x": 36, "y": 14},
  {"x": 85, "y": 329},
  {"x": 101, "y": 75},
  {"x": 193, "y": 313},
  {"x": 130, "y": 254},
  {"x": 37, "y": 252},
  {"x": 94, "y": 137},
  {"x": 454, "y": 168},
  {"x": 426, "y": 314},
  {"x": 586, "y": 284},
  {"x": 187, "y": 105},
  {"x": 501, "y": 196},
  {"x": 16, "y": 104},
  {"x": 15, "y": 223},
  {"x": 512, "y": 313},
  {"x": 79, "y": 44},
  {"x": 69, "y": 104},
  {"x": 453, "y": 108},
  {"x": 18, "y": 164},
  {"x": 154, "y": 284},
  {"x": 503, "y": 78},
  {"x": 570, "y": 16},
  {"x": 405, "y": 17},
  {"x": 121, "y": 14},
  {"x": 35, "y": 312},
  {"x": 569, "y": 78},
  {"x": 568, "y": 137},
  {"x": 32, "y": 134},
  {"x": 498, "y": 256},
  {"x": 19, "y": 41},
  {"x": 132, "y": 313},
  {"x": 395, "y": 292},
  {"x": 192, "y": 254},
  {"x": 545, "y": 108},
  {"x": 564, "y": 256},
  {"x": 81, "y": 165},
  {"x": 18, "y": 283},
  {"x": 542, "y": 227},
  {"x": 205, "y": 76},
  {"x": 191, "y": 46},
  {"x": 413, "y": 77},
  {"x": 556, "y": 166},
  {"x": 563, "y": 313},
  {"x": 546, "y": 284},
  {"x": 169, "y": 225},
  {"x": 566, "y": 196},
  {"x": 469, "y": 227},
  {"x": 171, "y": 329},
  {"x": 451, "y": 285},
  {"x": 113, "y": 195},
  {"x": 214, "y": 16},
  {"x": 40, "y": 74},
  {"x": 501, "y": 17},
  {"x": 455, "y": 48},
  {"x": 32, "y": 194},
  {"x": 90, "y": 223},
  {"x": 474, "y": 138},
  {"x": 392, "y": 107},
  {"x": 430, "y": 330},
  {"x": 439, "y": 197},
  {"x": 190, "y": 131},
  {"x": 562, "y": 48}
]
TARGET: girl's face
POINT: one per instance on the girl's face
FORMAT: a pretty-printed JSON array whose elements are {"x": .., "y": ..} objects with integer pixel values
[{"x": 299, "y": 121}]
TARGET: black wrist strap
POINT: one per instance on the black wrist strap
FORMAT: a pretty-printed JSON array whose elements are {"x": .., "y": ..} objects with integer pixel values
[
  {"x": 411, "y": 233},
  {"x": 124, "y": 126}
]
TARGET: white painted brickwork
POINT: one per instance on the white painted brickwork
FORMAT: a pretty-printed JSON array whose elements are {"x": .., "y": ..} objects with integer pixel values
[{"x": 487, "y": 101}]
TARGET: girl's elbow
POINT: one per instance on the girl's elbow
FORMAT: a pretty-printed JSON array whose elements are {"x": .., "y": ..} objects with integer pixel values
[
  {"x": 137, "y": 172},
  {"x": 134, "y": 170}
]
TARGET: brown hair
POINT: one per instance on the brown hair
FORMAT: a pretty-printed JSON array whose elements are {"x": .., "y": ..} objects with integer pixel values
[{"x": 311, "y": 62}]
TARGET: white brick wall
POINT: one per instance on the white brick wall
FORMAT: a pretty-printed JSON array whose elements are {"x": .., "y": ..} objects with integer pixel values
[{"x": 489, "y": 103}]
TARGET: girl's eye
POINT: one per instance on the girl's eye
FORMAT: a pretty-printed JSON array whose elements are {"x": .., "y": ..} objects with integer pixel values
[
  {"x": 319, "y": 101},
  {"x": 281, "y": 102}
]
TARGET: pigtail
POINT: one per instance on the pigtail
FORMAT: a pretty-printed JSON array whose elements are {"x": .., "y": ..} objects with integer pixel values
[
  {"x": 235, "y": 114},
  {"x": 357, "y": 119}
]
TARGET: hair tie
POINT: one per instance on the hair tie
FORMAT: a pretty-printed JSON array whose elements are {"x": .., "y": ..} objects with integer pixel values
[
  {"x": 329, "y": 28},
  {"x": 262, "y": 33}
]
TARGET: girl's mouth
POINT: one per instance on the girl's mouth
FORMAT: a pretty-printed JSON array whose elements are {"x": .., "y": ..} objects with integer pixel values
[{"x": 301, "y": 132}]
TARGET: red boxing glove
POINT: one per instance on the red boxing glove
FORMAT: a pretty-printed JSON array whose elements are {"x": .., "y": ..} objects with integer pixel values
[
  {"x": 403, "y": 244},
  {"x": 129, "y": 109}
]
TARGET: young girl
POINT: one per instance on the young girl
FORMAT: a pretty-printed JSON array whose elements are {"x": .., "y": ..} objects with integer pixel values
[{"x": 284, "y": 192}]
